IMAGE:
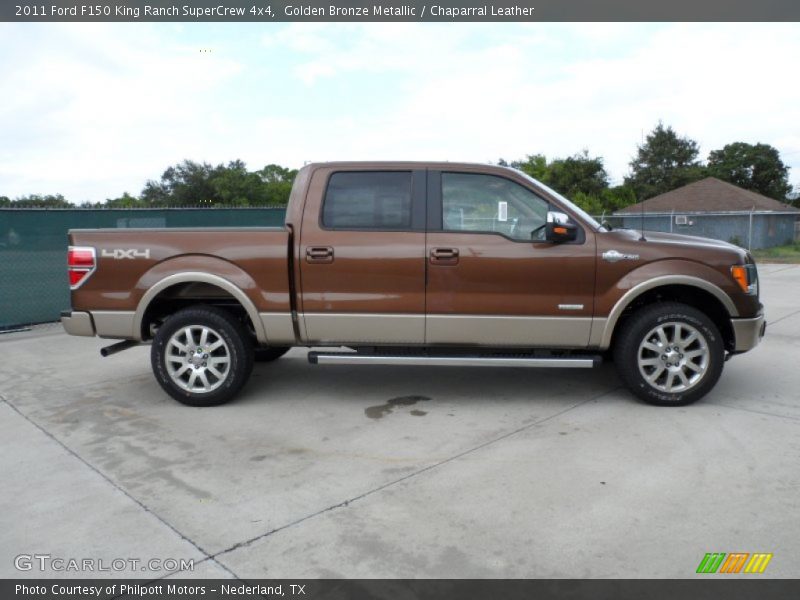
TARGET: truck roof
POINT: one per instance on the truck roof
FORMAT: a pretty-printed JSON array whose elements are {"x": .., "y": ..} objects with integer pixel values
[{"x": 394, "y": 164}]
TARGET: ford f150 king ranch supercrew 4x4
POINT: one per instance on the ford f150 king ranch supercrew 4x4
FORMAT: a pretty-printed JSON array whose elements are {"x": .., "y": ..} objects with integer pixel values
[{"x": 418, "y": 264}]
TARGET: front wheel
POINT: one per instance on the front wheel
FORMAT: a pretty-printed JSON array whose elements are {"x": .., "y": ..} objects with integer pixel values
[
  {"x": 669, "y": 354},
  {"x": 202, "y": 356}
]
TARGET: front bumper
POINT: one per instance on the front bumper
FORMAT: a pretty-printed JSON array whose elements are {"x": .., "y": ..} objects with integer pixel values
[
  {"x": 748, "y": 332},
  {"x": 77, "y": 323}
]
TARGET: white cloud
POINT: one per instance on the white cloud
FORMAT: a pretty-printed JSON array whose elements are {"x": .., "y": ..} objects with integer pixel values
[
  {"x": 97, "y": 109},
  {"x": 94, "y": 107},
  {"x": 532, "y": 92}
]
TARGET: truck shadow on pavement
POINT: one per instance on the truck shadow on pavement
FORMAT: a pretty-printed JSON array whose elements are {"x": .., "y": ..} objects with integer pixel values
[{"x": 385, "y": 389}]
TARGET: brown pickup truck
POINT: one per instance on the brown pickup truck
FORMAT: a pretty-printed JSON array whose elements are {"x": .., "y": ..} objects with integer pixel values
[{"x": 418, "y": 264}]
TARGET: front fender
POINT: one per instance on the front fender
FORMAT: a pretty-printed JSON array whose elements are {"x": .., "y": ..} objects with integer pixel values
[{"x": 613, "y": 301}]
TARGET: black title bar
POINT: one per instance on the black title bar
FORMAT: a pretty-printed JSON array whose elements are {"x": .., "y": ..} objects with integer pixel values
[
  {"x": 710, "y": 588},
  {"x": 414, "y": 10}
]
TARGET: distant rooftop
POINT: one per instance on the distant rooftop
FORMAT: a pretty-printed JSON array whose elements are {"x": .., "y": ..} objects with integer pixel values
[{"x": 708, "y": 195}]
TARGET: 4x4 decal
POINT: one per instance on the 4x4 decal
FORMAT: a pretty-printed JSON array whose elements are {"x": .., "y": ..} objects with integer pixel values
[{"x": 119, "y": 253}]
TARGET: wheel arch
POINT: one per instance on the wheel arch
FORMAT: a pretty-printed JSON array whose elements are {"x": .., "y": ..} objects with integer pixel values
[
  {"x": 693, "y": 291},
  {"x": 171, "y": 282}
]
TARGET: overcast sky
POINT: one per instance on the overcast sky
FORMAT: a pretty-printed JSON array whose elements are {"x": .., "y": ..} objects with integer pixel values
[{"x": 93, "y": 110}]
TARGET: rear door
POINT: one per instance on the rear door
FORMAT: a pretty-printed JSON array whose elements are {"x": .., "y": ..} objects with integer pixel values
[
  {"x": 492, "y": 278},
  {"x": 362, "y": 257}
]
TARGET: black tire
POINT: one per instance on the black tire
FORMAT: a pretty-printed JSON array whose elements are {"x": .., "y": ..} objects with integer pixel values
[
  {"x": 639, "y": 339},
  {"x": 269, "y": 353},
  {"x": 236, "y": 349}
]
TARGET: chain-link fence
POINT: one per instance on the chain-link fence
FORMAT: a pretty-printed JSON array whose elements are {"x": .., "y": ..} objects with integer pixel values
[
  {"x": 33, "y": 242},
  {"x": 33, "y": 249},
  {"x": 751, "y": 230}
]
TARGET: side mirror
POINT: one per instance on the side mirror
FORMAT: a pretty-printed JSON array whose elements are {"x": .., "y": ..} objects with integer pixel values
[{"x": 559, "y": 228}]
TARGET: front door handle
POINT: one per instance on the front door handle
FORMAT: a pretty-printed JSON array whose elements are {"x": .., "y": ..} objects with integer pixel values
[
  {"x": 319, "y": 254},
  {"x": 444, "y": 256}
]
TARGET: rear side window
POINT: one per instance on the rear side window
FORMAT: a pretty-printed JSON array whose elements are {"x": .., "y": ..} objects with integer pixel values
[{"x": 368, "y": 200}]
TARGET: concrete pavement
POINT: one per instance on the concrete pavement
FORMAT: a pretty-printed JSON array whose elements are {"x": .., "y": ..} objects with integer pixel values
[{"x": 332, "y": 471}]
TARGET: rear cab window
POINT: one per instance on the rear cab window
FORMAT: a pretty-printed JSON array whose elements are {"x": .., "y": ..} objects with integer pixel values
[{"x": 368, "y": 200}]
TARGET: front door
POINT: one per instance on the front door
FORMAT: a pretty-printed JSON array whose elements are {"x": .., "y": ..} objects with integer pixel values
[
  {"x": 362, "y": 257},
  {"x": 493, "y": 280}
]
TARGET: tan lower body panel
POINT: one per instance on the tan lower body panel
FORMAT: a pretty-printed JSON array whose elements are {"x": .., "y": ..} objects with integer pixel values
[
  {"x": 519, "y": 331},
  {"x": 114, "y": 324},
  {"x": 596, "y": 340},
  {"x": 545, "y": 332},
  {"x": 748, "y": 332},
  {"x": 361, "y": 328},
  {"x": 279, "y": 328},
  {"x": 78, "y": 323}
]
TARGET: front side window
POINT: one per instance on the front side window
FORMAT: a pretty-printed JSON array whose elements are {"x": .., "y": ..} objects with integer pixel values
[
  {"x": 368, "y": 200},
  {"x": 486, "y": 203}
]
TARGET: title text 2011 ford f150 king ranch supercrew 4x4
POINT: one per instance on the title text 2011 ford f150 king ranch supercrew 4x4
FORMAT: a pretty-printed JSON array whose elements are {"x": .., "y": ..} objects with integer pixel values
[{"x": 418, "y": 264}]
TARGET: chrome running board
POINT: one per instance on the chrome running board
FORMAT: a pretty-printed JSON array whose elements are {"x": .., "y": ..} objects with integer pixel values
[{"x": 355, "y": 358}]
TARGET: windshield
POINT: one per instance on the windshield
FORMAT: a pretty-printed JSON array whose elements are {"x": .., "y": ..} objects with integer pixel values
[{"x": 582, "y": 213}]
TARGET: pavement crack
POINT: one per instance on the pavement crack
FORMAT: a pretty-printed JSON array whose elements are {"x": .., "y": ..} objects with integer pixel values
[
  {"x": 783, "y": 269},
  {"x": 349, "y": 501},
  {"x": 752, "y": 410},
  {"x": 139, "y": 503},
  {"x": 791, "y": 314}
]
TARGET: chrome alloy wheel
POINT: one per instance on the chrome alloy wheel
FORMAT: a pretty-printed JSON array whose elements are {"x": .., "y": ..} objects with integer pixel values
[
  {"x": 197, "y": 359},
  {"x": 673, "y": 357}
]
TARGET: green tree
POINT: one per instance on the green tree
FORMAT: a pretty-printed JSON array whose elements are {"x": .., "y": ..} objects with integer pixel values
[
  {"x": 794, "y": 197},
  {"x": 234, "y": 185},
  {"x": 577, "y": 173},
  {"x": 201, "y": 184},
  {"x": 41, "y": 201},
  {"x": 278, "y": 183},
  {"x": 617, "y": 198},
  {"x": 124, "y": 201},
  {"x": 665, "y": 161},
  {"x": 5, "y": 201},
  {"x": 588, "y": 202},
  {"x": 756, "y": 167},
  {"x": 581, "y": 178},
  {"x": 185, "y": 184},
  {"x": 534, "y": 165}
]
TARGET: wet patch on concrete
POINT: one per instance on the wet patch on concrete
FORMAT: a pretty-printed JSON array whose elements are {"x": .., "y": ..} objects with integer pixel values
[{"x": 381, "y": 410}]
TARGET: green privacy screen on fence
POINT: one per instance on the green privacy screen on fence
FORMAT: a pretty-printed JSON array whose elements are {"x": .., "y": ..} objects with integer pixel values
[{"x": 33, "y": 249}]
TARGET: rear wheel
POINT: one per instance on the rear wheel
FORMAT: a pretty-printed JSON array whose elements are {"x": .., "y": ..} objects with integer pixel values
[
  {"x": 669, "y": 354},
  {"x": 202, "y": 356}
]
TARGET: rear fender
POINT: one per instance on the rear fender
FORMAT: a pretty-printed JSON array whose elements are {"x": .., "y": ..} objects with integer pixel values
[{"x": 199, "y": 269}]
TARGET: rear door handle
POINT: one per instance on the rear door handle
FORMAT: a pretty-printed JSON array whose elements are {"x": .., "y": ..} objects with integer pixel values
[
  {"x": 319, "y": 254},
  {"x": 444, "y": 256}
]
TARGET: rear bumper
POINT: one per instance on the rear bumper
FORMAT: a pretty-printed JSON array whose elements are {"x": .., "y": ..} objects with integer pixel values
[
  {"x": 77, "y": 323},
  {"x": 748, "y": 332},
  {"x": 114, "y": 325}
]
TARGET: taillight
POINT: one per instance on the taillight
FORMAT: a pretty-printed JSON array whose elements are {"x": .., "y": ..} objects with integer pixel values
[{"x": 81, "y": 263}]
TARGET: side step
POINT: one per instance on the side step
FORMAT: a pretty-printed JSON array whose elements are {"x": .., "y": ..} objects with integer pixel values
[{"x": 355, "y": 358}]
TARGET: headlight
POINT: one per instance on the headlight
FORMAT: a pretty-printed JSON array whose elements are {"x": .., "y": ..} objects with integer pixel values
[{"x": 747, "y": 278}]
